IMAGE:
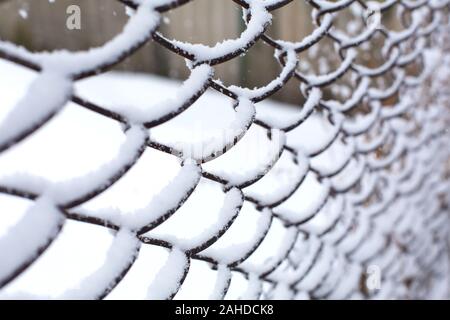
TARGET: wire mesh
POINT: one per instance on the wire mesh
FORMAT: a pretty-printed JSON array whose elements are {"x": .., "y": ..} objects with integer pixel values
[{"x": 383, "y": 203}]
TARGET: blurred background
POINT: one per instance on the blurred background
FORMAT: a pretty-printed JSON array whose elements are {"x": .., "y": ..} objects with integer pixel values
[{"x": 41, "y": 25}]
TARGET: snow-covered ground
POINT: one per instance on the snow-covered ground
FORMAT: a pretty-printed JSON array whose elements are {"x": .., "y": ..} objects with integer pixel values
[{"x": 77, "y": 141}]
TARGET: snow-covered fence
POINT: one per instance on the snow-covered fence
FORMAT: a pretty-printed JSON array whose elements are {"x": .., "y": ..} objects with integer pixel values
[{"x": 356, "y": 184}]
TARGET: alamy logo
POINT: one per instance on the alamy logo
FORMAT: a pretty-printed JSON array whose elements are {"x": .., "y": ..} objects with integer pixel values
[
  {"x": 373, "y": 279},
  {"x": 73, "y": 21}
]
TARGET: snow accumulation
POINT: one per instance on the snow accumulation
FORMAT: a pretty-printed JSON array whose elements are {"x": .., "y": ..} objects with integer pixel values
[
  {"x": 39, "y": 224},
  {"x": 178, "y": 209},
  {"x": 131, "y": 186},
  {"x": 122, "y": 252},
  {"x": 169, "y": 277},
  {"x": 78, "y": 153},
  {"x": 78, "y": 143},
  {"x": 260, "y": 19}
]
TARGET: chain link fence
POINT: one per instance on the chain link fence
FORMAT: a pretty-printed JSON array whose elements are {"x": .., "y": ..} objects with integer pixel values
[{"x": 376, "y": 220}]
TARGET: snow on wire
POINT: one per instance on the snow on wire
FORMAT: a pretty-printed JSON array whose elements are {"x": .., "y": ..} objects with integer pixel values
[{"x": 383, "y": 202}]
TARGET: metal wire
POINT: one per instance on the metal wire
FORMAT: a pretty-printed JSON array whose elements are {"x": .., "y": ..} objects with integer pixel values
[{"x": 392, "y": 187}]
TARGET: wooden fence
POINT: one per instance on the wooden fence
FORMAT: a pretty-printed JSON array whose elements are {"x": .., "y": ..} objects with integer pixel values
[{"x": 41, "y": 25}]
